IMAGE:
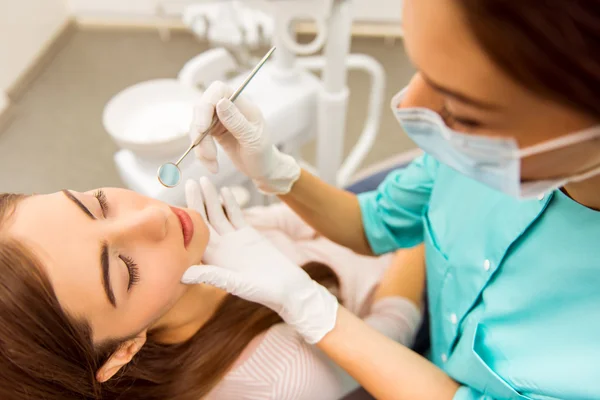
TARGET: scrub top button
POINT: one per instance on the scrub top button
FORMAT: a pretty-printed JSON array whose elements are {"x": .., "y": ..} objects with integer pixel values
[
  {"x": 444, "y": 358},
  {"x": 487, "y": 264},
  {"x": 454, "y": 319},
  {"x": 541, "y": 197}
]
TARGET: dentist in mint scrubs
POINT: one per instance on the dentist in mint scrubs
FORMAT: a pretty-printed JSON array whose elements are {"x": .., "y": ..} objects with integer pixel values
[{"x": 506, "y": 106}]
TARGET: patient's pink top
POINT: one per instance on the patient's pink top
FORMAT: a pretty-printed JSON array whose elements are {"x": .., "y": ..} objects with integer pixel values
[{"x": 279, "y": 365}]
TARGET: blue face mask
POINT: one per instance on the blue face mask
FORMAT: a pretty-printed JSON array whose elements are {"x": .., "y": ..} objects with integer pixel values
[{"x": 495, "y": 162}]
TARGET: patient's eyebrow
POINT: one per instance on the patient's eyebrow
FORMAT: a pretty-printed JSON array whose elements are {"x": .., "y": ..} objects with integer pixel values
[
  {"x": 78, "y": 203},
  {"x": 106, "y": 276},
  {"x": 104, "y": 259}
]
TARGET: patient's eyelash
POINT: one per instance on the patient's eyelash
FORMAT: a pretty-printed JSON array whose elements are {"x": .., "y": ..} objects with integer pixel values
[
  {"x": 101, "y": 197},
  {"x": 134, "y": 272}
]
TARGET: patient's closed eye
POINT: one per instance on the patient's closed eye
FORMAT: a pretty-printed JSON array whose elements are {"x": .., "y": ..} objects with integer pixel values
[
  {"x": 133, "y": 270},
  {"x": 101, "y": 197}
]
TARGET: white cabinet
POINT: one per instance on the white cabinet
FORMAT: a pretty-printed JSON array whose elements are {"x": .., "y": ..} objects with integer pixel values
[{"x": 377, "y": 11}]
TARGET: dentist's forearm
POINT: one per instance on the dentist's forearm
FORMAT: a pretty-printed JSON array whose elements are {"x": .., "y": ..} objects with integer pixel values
[
  {"x": 332, "y": 212},
  {"x": 386, "y": 369}
]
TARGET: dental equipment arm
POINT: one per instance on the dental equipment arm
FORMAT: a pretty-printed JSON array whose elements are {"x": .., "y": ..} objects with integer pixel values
[
  {"x": 333, "y": 212},
  {"x": 245, "y": 264}
]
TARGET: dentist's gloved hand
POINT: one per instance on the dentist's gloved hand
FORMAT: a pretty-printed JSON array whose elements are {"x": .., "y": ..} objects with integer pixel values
[
  {"x": 244, "y": 263},
  {"x": 279, "y": 217},
  {"x": 243, "y": 138}
]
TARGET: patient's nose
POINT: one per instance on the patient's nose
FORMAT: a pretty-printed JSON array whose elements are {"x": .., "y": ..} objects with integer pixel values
[{"x": 149, "y": 223}]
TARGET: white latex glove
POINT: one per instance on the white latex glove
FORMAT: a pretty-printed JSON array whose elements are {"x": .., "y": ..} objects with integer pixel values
[
  {"x": 244, "y": 263},
  {"x": 279, "y": 217},
  {"x": 243, "y": 139}
]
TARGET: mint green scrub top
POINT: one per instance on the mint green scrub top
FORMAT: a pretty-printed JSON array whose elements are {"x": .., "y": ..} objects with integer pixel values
[{"x": 513, "y": 285}]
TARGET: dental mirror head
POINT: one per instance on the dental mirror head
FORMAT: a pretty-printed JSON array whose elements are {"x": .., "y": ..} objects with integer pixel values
[{"x": 169, "y": 175}]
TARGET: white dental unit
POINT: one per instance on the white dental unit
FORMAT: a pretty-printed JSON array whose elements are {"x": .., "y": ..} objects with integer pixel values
[{"x": 149, "y": 121}]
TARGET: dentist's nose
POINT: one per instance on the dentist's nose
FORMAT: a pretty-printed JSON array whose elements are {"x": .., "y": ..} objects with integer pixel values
[
  {"x": 420, "y": 94},
  {"x": 148, "y": 224}
]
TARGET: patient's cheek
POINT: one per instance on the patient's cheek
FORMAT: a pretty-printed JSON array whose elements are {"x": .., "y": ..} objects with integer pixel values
[
  {"x": 164, "y": 285},
  {"x": 165, "y": 298}
]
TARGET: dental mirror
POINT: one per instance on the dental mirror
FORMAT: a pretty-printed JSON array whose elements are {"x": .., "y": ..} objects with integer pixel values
[{"x": 169, "y": 174}]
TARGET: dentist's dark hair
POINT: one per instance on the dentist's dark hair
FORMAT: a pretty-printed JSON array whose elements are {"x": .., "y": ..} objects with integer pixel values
[
  {"x": 47, "y": 354},
  {"x": 551, "y": 47}
]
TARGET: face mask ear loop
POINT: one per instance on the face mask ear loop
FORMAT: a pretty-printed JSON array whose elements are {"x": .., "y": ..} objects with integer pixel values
[
  {"x": 560, "y": 142},
  {"x": 558, "y": 183},
  {"x": 586, "y": 175}
]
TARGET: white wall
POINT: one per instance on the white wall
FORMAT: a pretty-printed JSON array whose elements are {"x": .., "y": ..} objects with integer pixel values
[
  {"x": 26, "y": 28},
  {"x": 108, "y": 8},
  {"x": 4, "y": 103},
  {"x": 364, "y": 10}
]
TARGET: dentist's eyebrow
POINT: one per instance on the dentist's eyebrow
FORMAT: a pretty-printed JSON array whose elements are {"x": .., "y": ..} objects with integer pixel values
[
  {"x": 459, "y": 96},
  {"x": 103, "y": 252}
]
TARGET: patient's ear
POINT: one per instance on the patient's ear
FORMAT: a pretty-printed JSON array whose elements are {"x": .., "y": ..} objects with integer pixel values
[{"x": 120, "y": 358}]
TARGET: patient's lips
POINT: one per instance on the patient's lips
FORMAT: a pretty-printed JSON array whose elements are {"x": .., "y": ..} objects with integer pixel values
[{"x": 187, "y": 226}]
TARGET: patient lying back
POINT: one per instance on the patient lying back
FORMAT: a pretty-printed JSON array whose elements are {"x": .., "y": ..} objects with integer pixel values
[{"x": 92, "y": 305}]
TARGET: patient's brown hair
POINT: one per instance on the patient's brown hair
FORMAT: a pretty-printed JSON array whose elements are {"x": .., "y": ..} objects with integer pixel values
[{"x": 47, "y": 354}]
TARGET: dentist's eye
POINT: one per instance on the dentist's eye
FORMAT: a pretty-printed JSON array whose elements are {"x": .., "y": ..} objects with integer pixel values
[
  {"x": 133, "y": 270},
  {"x": 455, "y": 122},
  {"x": 101, "y": 197}
]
